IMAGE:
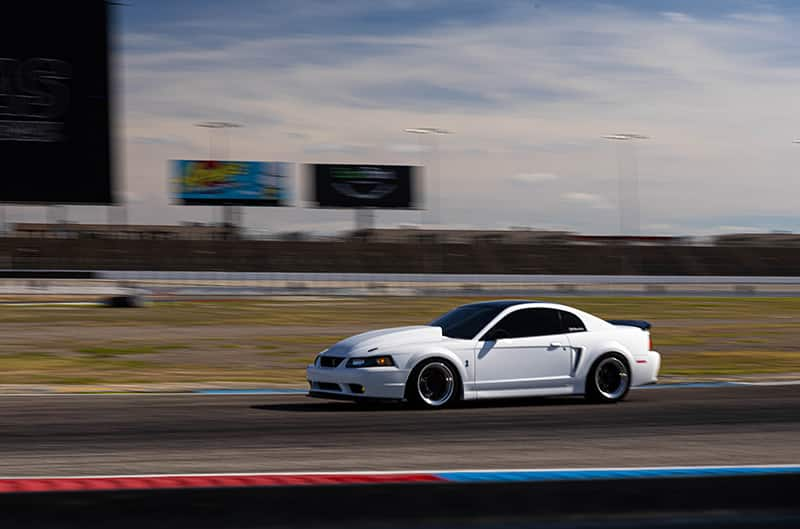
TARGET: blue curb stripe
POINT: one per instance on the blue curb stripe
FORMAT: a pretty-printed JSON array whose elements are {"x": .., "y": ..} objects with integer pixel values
[
  {"x": 574, "y": 475},
  {"x": 295, "y": 391},
  {"x": 265, "y": 391}
]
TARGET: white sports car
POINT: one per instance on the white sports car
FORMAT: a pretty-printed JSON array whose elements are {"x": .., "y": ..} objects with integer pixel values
[{"x": 492, "y": 349}]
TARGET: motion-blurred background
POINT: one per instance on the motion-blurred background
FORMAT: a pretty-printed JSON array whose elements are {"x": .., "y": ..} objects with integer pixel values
[
  {"x": 398, "y": 157},
  {"x": 256, "y": 180},
  {"x": 555, "y": 110}
]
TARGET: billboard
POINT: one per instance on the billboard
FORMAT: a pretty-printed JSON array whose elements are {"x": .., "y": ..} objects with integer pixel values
[
  {"x": 54, "y": 103},
  {"x": 364, "y": 186},
  {"x": 214, "y": 183}
]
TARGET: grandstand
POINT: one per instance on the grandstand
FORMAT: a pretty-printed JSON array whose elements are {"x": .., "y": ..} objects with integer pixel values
[{"x": 200, "y": 247}]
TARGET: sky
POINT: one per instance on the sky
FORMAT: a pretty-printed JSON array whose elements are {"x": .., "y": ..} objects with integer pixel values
[{"x": 527, "y": 87}]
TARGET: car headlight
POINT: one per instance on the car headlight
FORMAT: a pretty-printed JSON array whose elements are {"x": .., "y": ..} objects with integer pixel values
[
  {"x": 371, "y": 361},
  {"x": 316, "y": 359}
]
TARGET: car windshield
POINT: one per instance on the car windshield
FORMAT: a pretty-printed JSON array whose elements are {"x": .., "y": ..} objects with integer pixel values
[{"x": 465, "y": 322}]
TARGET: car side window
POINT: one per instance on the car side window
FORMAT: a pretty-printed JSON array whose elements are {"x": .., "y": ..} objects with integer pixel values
[
  {"x": 524, "y": 323},
  {"x": 570, "y": 322}
]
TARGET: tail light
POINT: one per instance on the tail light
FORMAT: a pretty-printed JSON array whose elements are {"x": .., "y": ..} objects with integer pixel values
[{"x": 649, "y": 342}]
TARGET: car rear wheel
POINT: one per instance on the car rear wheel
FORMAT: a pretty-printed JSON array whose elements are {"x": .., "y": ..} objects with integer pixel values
[
  {"x": 433, "y": 384},
  {"x": 609, "y": 379}
]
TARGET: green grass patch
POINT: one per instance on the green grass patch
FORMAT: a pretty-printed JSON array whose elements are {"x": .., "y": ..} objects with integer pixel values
[
  {"x": 271, "y": 341},
  {"x": 112, "y": 351}
]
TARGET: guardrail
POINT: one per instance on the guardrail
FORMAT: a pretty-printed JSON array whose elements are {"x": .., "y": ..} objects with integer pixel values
[{"x": 243, "y": 284}]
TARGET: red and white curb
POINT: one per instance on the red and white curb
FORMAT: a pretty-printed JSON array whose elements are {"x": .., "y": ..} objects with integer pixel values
[
  {"x": 200, "y": 481},
  {"x": 215, "y": 481}
]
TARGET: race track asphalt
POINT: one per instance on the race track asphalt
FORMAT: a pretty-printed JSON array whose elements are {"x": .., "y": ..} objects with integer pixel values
[{"x": 62, "y": 435}]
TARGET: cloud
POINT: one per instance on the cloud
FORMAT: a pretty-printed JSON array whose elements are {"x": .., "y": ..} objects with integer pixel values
[
  {"x": 533, "y": 178},
  {"x": 155, "y": 140},
  {"x": 521, "y": 88},
  {"x": 681, "y": 18},
  {"x": 407, "y": 148},
  {"x": 145, "y": 40},
  {"x": 419, "y": 94},
  {"x": 334, "y": 147},
  {"x": 588, "y": 199},
  {"x": 757, "y": 18}
]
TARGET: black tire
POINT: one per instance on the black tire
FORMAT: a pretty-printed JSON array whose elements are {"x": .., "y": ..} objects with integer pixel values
[
  {"x": 433, "y": 384},
  {"x": 609, "y": 379}
]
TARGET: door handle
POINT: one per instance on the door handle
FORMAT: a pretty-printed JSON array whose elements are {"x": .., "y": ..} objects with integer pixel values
[{"x": 555, "y": 345}]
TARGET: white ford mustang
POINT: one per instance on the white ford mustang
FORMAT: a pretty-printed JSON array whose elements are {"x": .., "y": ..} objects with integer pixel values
[{"x": 492, "y": 349}]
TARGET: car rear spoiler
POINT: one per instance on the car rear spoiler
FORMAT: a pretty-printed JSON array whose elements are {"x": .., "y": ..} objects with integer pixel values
[{"x": 643, "y": 325}]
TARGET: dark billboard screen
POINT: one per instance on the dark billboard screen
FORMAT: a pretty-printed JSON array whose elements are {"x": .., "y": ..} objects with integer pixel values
[
  {"x": 54, "y": 103},
  {"x": 364, "y": 186},
  {"x": 214, "y": 183}
]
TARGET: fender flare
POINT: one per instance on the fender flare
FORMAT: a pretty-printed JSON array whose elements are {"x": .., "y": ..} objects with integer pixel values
[
  {"x": 445, "y": 354},
  {"x": 602, "y": 349}
]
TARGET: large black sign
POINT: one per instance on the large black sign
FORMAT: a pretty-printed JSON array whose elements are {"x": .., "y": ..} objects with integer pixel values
[
  {"x": 364, "y": 186},
  {"x": 54, "y": 102}
]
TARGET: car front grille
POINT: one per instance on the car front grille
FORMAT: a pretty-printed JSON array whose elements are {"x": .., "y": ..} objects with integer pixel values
[
  {"x": 327, "y": 386},
  {"x": 330, "y": 361}
]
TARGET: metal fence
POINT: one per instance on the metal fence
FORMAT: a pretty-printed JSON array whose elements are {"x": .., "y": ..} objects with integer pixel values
[{"x": 161, "y": 284}]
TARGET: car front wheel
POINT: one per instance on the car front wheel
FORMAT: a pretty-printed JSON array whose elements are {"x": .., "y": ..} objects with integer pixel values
[{"x": 433, "y": 384}]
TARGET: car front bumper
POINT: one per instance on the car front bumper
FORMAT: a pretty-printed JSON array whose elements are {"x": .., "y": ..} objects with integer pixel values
[{"x": 354, "y": 383}]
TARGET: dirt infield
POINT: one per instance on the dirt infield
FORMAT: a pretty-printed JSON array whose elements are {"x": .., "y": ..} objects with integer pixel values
[{"x": 272, "y": 340}]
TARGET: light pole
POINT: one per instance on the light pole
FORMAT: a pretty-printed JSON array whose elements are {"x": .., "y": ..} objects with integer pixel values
[
  {"x": 213, "y": 126},
  {"x": 634, "y": 188},
  {"x": 228, "y": 211},
  {"x": 433, "y": 132}
]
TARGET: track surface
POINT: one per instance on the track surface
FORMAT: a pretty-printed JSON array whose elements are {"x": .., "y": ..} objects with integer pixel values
[{"x": 134, "y": 434}]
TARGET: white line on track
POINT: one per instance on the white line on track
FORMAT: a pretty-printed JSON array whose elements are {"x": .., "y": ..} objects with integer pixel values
[{"x": 774, "y": 383}]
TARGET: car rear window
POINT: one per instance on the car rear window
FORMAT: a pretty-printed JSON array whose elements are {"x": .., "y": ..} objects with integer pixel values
[{"x": 571, "y": 323}]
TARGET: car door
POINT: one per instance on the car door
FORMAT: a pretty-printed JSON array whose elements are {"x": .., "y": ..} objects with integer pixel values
[{"x": 526, "y": 350}]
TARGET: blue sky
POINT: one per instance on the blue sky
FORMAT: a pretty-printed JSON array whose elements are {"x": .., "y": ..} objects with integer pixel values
[{"x": 528, "y": 88}]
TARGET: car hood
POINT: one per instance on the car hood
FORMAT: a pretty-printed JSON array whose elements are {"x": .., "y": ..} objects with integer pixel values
[{"x": 384, "y": 340}]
